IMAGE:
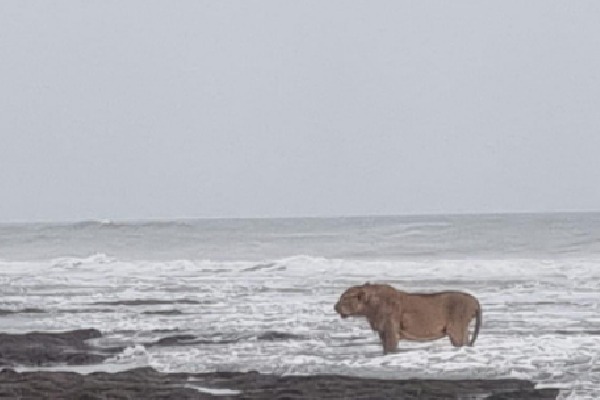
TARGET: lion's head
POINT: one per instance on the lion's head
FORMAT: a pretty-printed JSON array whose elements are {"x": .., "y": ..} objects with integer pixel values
[
  {"x": 354, "y": 301},
  {"x": 363, "y": 300}
]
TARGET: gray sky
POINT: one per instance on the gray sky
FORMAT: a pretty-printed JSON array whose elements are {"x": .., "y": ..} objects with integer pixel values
[{"x": 163, "y": 109}]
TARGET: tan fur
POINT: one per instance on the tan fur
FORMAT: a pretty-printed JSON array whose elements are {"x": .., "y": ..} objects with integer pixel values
[{"x": 400, "y": 315}]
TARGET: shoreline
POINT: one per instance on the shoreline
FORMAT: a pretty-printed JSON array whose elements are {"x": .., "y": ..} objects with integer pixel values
[
  {"x": 39, "y": 349},
  {"x": 147, "y": 383}
]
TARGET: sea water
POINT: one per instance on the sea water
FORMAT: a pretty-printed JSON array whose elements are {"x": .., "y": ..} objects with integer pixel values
[{"x": 258, "y": 294}]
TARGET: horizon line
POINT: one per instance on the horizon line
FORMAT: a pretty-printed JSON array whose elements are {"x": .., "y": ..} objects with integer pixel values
[{"x": 293, "y": 217}]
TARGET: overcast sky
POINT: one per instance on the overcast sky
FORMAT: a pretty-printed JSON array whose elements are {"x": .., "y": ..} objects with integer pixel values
[{"x": 176, "y": 109}]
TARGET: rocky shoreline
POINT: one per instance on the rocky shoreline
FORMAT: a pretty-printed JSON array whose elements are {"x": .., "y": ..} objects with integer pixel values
[{"x": 43, "y": 349}]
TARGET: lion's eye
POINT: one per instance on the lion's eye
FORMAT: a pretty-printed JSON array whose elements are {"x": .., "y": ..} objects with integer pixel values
[{"x": 360, "y": 296}]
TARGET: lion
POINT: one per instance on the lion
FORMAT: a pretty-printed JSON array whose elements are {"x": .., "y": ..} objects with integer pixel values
[{"x": 397, "y": 315}]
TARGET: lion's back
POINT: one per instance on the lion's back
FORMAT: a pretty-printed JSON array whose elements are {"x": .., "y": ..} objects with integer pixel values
[{"x": 445, "y": 302}]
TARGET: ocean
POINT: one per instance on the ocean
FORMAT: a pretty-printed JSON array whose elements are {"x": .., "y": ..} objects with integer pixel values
[{"x": 258, "y": 294}]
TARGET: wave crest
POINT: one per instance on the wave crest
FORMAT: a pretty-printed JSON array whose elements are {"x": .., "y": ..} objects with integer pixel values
[{"x": 75, "y": 262}]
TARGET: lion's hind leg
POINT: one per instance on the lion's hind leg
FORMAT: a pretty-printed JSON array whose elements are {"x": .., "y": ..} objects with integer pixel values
[
  {"x": 458, "y": 323},
  {"x": 458, "y": 334}
]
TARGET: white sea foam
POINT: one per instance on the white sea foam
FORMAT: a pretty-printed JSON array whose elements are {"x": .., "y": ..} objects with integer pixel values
[
  {"x": 540, "y": 316},
  {"x": 214, "y": 391}
]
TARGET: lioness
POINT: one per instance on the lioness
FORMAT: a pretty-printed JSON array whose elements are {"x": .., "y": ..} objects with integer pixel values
[{"x": 414, "y": 316}]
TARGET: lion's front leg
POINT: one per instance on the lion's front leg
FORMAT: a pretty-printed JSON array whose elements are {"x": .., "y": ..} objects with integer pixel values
[{"x": 389, "y": 337}]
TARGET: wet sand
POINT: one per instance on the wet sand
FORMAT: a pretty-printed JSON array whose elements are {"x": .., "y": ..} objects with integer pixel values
[{"x": 42, "y": 349}]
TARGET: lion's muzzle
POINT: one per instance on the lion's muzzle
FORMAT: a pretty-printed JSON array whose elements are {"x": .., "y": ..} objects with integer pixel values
[{"x": 338, "y": 309}]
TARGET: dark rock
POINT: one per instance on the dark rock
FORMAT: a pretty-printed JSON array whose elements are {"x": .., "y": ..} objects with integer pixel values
[
  {"x": 23, "y": 311},
  {"x": 163, "y": 312},
  {"x": 37, "y": 348},
  {"x": 529, "y": 394},
  {"x": 148, "y": 302},
  {"x": 175, "y": 340},
  {"x": 146, "y": 383},
  {"x": 187, "y": 340},
  {"x": 274, "y": 336}
]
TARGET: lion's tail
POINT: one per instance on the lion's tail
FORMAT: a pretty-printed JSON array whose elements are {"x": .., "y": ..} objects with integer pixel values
[{"x": 477, "y": 325}]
